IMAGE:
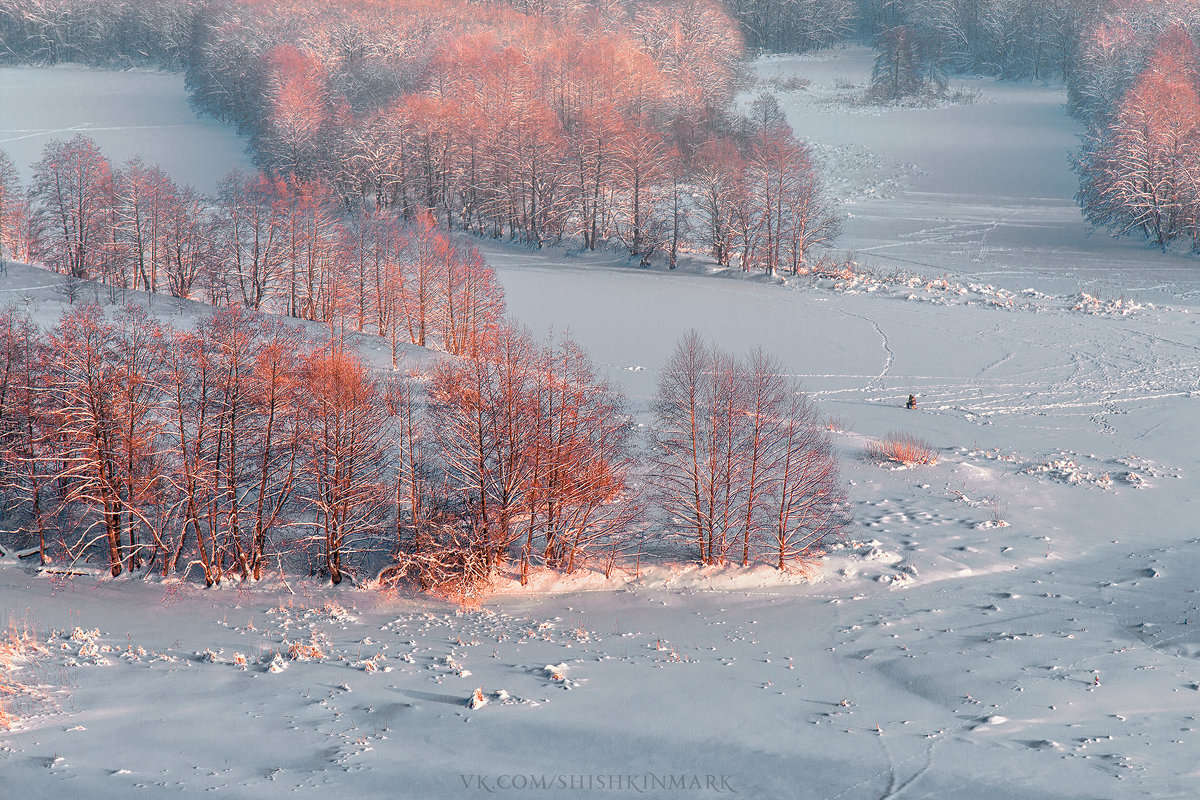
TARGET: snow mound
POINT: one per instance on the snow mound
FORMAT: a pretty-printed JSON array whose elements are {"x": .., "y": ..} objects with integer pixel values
[{"x": 557, "y": 674}]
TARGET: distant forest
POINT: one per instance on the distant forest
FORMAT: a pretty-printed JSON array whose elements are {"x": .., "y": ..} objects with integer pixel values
[{"x": 598, "y": 124}]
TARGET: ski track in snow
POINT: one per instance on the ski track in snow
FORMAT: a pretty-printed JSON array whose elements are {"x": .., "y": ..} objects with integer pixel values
[{"x": 889, "y": 356}]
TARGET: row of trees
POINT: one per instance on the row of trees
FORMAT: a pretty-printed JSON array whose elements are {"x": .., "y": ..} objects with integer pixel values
[
  {"x": 1012, "y": 38},
  {"x": 1139, "y": 167},
  {"x": 386, "y": 49},
  {"x": 794, "y": 26},
  {"x": 298, "y": 247},
  {"x": 1006, "y": 38},
  {"x": 55, "y": 31},
  {"x": 166, "y": 448},
  {"x": 271, "y": 244},
  {"x": 533, "y": 123},
  {"x": 237, "y": 444},
  {"x": 993, "y": 34}
]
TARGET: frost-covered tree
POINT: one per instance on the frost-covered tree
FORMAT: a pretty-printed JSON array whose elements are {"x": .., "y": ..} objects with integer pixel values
[
  {"x": 70, "y": 200},
  {"x": 1141, "y": 173},
  {"x": 790, "y": 211},
  {"x": 142, "y": 197},
  {"x": 535, "y": 447},
  {"x": 1009, "y": 38},
  {"x": 345, "y": 453},
  {"x": 765, "y": 113},
  {"x": 905, "y": 66},
  {"x": 12, "y": 209},
  {"x": 24, "y": 424},
  {"x": 101, "y": 379}
]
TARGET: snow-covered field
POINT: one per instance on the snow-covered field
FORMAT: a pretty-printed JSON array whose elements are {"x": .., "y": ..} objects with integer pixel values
[
  {"x": 979, "y": 190},
  {"x": 1020, "y": 620}
]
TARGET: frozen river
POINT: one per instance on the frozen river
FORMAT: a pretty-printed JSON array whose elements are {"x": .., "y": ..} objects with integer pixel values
[{"x": 126, "y": 112}]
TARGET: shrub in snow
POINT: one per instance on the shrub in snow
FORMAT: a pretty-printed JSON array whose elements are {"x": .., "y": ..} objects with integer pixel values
[
  {"x": 455, "y": 667},
  {"x": 335, "y": 612},
  {"x": 477, "y": 698}
]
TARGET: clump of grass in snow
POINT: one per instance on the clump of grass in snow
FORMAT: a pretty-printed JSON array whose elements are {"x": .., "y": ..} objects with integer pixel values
[
  {"x": 836, "y": 424},
  {"x": 902, "y": 448},
  {"x": 17, "y": 649}
]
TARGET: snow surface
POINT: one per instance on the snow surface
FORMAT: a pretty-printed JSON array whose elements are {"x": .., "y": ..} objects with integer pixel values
[
  {"x": 952, "y": 646},
  {"x": 127, "y": 113}
]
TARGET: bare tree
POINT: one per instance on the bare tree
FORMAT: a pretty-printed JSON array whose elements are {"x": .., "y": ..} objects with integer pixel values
[
  {"x": 789, "y": 209},
  {"x": 136, "y": 393},
  {"x": 12, "y": 211},
  {"x": 236, "y": 415},
  {"x": 578, "y": 494},
  {"x": 421, "y": 284},
  {"x": 345, "y": 453},
  {"x": 740, "y": 458},
  {"x": 104, "y": 459},
  {"x": 69, "y": 197},
  {"x": 720, "y": 179},
  {"x": 24, "y": 423},
  {"x": 250, "y": 233},
  {"x": 482, "y": 426},
  {"x": 808, "y": 499},
  {"x": 684, "y": 484},
  {"x": 473, "y": 300},
  {"x": 188, "y": 247},
  {"x": 141, "y": 198},
  {"x": 193, "y": 384},
  {"x": 644, "y": 167}
]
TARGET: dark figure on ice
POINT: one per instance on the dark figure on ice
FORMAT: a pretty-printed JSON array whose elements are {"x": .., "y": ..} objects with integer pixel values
[{"x": 912, "y": 401}]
